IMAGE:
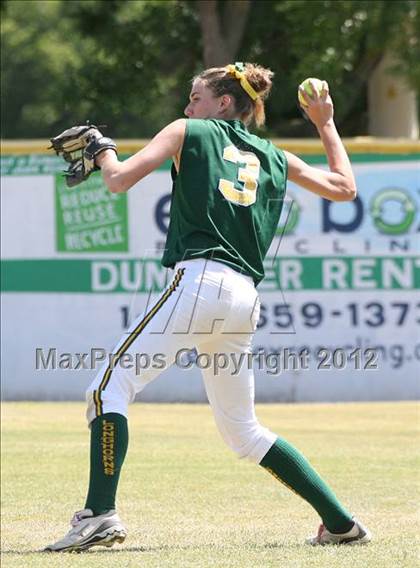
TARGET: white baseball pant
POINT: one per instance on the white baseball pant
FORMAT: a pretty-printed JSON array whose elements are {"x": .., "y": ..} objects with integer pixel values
[{"x": 215, "y": 309}]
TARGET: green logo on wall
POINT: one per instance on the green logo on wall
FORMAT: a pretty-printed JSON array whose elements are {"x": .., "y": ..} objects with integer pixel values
[
  {"x": 89, "y": 218},
  {"x": 393, "y": 211}
]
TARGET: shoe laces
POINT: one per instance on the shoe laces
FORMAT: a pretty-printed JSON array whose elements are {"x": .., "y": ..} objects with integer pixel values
[{"x": 77, "y": 517}]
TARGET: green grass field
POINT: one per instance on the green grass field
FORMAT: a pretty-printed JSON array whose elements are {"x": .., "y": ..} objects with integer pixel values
[{"x": 187, "y": 501}]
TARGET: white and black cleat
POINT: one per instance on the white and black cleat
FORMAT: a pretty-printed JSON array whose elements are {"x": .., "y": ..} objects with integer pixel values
[
  {"x": 358, "y": 534},
  {"x": 89, "y": 530}
]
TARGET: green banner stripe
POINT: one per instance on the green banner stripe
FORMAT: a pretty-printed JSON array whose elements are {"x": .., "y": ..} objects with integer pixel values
[
  {"x": 143, "y": 275},
  {"x": 46, "y": 275},
  {"x": 40, "y": 164},
  {"x": 366, "y": 158}
]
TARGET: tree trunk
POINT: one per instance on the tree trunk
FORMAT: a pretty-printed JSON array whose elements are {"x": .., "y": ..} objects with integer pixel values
[{"x": 222, "y": 32}]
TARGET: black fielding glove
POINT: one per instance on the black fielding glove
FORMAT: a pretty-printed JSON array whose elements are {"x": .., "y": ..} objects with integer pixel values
[{"x": 79, "y": 146}]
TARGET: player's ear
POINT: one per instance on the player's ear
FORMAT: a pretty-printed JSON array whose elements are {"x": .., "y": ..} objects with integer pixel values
[{"x": 225, "y": 102}]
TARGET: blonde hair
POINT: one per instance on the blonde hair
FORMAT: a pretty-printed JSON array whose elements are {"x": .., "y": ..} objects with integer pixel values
[{"x": 222, "y": 82}]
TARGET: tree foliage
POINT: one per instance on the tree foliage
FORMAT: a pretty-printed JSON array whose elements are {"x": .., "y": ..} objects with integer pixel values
[{"x": 129, "y": 63}]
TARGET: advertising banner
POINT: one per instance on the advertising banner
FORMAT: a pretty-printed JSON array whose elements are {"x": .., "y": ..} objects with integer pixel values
[
  {"x": 91, "y": 219},
  {"x": 340, "y": 303}
]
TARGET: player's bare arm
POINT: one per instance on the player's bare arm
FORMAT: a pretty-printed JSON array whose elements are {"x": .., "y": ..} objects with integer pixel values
[
  {"x": 338, "y": 184},
  {"x": 121, "y": 176}
]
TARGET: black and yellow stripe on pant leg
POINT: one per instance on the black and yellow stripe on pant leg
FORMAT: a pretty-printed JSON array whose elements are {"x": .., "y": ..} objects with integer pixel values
[
  {"x": 132, "y": 337},
  {"x": 109, "y": 430}
]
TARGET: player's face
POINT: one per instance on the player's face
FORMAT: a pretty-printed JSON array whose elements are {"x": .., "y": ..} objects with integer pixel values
[{"x": 203, "y": 104}]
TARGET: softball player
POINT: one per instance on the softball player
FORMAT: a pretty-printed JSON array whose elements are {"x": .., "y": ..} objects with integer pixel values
[{"x": 228, "y": 192}]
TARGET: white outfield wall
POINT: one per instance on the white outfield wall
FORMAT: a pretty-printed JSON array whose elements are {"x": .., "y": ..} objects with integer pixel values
[{"x": 341, "y": 288}]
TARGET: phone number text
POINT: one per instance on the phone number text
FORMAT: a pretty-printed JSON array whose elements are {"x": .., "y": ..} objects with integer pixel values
[{"x": 285, "y": 317}]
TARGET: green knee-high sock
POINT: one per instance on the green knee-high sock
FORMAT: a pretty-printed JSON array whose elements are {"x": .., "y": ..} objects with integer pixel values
[
  {"x": 290, "y": 467},
  {"x": 108, "y": 446}
]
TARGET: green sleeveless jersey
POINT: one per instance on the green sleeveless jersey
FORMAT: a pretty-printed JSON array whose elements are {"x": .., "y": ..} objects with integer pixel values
[{"x": 227, "y": 197}]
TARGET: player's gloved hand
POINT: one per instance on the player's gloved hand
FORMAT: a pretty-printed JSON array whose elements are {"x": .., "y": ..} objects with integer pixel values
[{"x": 79, "y": 146}]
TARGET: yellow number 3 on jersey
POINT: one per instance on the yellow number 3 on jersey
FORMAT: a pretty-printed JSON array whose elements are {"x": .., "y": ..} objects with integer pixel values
[{"x": 248, "y": 175}]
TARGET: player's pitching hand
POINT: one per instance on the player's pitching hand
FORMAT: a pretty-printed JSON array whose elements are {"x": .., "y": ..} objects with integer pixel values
[{"x": 319, "y": 106}]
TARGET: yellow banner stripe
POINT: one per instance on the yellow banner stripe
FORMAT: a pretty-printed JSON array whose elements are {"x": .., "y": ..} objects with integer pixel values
[
  {"x": 133, "y": 336},
  {"x": 355, "y": 145}
]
